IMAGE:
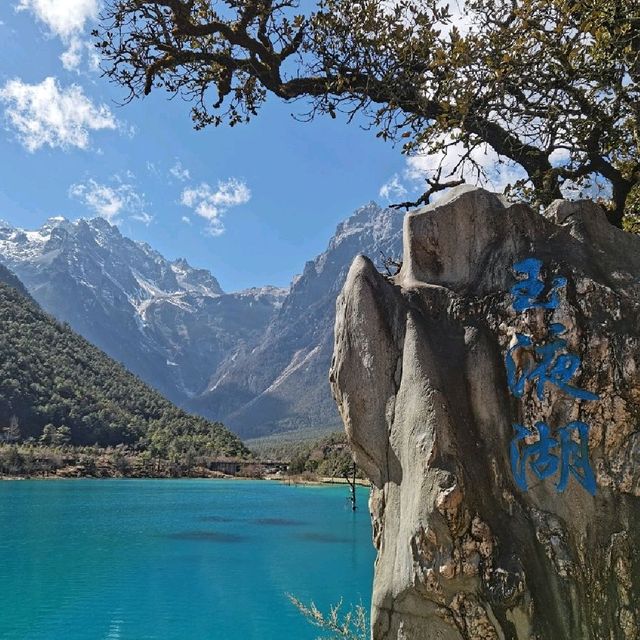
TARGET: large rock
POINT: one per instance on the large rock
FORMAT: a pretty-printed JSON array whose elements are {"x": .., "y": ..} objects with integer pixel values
[{"x": 483, "y": 533}]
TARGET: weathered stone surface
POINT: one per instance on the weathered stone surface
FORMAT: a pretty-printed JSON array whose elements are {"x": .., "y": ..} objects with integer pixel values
[{"x": 419, "y": 378}]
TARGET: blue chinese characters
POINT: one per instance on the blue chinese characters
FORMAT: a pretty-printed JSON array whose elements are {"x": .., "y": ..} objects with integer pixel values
[
  {"x": 527, "y": 293},
  {"x": 553, "y": 365},
  {"x": 566, "y": 453},
  {"x": 548, "y": 455}
]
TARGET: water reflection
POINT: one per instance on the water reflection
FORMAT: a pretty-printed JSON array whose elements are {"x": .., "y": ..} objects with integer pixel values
[{"x": 207, "y": 536}]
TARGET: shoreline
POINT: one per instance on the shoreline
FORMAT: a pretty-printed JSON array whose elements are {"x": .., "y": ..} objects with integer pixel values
[{"x": 290, "y": 480}]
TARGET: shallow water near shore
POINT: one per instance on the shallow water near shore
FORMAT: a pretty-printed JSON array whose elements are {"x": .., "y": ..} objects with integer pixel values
[{"x": 176, "y": 559}]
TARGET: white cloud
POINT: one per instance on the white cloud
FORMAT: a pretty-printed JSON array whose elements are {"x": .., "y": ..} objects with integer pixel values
[
  {"x": 127, "y": 174},
  {"x": 559, "y": 157},
  {"x": 496, "y": 172},
  {"x": 592, "y": 187},
  {"x": 143, "y": 217},
  {"x": 64, "y": 17},
  {"x": 179, "y": 172},
  {"x": 186, "y": 219},
  {"x": 213, "y": 204},
  {"x": 72, "y": 57},
  {"x": 47, "y": 114},
  {"x": 460, "y": 15},
  {"x": 67, "y": 20},
  {"x": 127, "y": 129},
  {"x": 76, "y": 51},
  {"x": 499, "y": 172},
  {"x": 111, "y": 201},
  {"x": 393, "y": 189}
]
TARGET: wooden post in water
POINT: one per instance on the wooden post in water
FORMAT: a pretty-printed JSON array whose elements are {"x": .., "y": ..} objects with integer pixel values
[{"x": 351, "y": 481}]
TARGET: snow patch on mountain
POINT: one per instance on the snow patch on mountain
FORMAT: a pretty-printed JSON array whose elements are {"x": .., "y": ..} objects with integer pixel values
[
  {"x": 256, "y": 359},
  {"x": 170, "y": 323}
]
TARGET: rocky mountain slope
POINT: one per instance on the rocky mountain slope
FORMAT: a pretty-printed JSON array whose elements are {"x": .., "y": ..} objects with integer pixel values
[
  {"x": 256, "y": 359},
  {"x": 283, "y": 384},
  {"x": 167, "y": 322}
]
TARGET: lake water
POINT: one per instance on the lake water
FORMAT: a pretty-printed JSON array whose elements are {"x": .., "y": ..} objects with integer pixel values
[{"x": 176, "y": 559}]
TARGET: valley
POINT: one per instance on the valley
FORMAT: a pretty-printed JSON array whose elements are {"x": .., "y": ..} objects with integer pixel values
[{"x": 256, "y": 360}]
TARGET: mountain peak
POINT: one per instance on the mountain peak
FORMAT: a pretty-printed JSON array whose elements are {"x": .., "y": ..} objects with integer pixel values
[
  {"x": 101, "y": 223},
  {"x": 104, "y": 227},
  {"x": 256, "y": 358},
  {"x": 53, "y": 223},
  {"x": 94, "y": 254},
  {"x": 369, "y": 225}
]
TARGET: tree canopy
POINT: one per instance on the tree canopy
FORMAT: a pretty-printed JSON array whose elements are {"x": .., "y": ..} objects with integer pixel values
[{"x": 552, "y": 86}]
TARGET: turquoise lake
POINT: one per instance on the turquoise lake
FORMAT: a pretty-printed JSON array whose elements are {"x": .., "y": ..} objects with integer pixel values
[{"x": 176, "y": 559}]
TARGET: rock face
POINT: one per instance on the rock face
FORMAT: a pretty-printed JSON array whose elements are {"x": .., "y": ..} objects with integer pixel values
[{"x": 491, "y": 391}]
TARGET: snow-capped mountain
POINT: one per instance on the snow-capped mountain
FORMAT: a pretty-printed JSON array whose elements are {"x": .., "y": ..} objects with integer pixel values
[
  {"x": 282, "y": 383},
  {"x": 257, "y": 359},
  {"x": 166, "y": 321}
]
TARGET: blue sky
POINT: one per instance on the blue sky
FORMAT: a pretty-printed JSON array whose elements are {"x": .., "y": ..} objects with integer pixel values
[{"x": 251, "y": 204}]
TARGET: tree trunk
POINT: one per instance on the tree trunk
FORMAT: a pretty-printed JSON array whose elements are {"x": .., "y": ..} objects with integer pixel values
[
  {"x": 621, "y": 192},
  {"x": 351, "y": 481}
]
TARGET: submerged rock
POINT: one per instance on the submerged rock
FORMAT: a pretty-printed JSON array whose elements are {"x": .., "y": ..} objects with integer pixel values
[{"x": 491, "y": 392}]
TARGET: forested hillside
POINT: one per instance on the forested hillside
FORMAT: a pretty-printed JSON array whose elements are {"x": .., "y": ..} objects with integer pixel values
[{"x": 57, "y": 387}]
